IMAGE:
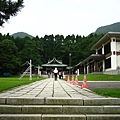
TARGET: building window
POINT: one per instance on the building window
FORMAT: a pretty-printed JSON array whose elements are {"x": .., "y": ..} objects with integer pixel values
[
  {"x": 100, "y": 51},
  {"x": 113, "y": 40},
  {"x": 108, "y": 63},
  {"x": 113, "y": 52},
  {"x": 107, "y": 48}
]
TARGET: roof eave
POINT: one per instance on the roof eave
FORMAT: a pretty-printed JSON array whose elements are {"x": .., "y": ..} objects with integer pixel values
[
  {"x": 93, "y": 57},
  {"x": 104, "y": 39},
  {"x": 54, "y": 65}
]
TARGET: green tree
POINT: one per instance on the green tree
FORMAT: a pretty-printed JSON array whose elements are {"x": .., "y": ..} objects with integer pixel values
[
  {"x": 48, "y": 47},
  {"x": 58, "y": 47},
  {"x": 8, "y": 60},
  {"x": 29, "y": 51},
  {"x": 15, "y": 52},
  {"x": 9, "y": 8}
]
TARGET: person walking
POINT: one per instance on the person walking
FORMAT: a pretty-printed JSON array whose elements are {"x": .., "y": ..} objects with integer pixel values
[
  {"x": 60, "y": 75},
  {"x": 55, "y": 73}
]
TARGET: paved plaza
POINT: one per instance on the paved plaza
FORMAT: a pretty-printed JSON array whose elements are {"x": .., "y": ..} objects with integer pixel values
[
  {"x": 50, "y": 88},
  {"x": 56, "y": 100}
]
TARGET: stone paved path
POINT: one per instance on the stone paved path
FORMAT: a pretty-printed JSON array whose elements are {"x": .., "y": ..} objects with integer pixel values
[{"x": 49, "y": 88}]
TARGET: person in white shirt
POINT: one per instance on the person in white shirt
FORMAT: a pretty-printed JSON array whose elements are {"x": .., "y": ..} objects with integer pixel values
[{"x": 55, "y": 73}]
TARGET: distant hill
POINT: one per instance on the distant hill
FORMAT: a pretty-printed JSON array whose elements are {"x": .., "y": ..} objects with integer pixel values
[
  {"x": 22, "y": 35},
  {"x": 109, "y": 28}
]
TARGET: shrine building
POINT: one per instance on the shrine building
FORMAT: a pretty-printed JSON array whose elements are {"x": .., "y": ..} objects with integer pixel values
[{"x": 52, "y": 64}]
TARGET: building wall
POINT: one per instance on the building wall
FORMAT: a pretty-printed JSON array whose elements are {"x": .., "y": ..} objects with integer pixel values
[
  {"x": 115, "y": 59},
  {"x": 118, "y": 61},
  {"x": 118, "y": 46},
  {"x": 113, "y": 56},
  {"x": 118, "y": 50},
  {"x": 112, "y": 72},
  {"x": 111, "y": 50}
]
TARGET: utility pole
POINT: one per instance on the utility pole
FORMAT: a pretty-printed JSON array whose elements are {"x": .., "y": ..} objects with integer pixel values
[{"x": 69, "y": 63}]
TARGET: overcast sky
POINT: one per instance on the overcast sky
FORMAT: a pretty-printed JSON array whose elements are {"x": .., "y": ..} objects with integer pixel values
[{"x": 64, "y": 17}]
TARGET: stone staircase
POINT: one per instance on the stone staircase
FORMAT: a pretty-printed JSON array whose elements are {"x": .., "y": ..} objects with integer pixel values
[{"x": 59, "y": 108}]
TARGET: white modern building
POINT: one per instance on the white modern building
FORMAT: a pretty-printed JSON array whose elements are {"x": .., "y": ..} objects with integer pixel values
[{"x": 107, "y": 57}]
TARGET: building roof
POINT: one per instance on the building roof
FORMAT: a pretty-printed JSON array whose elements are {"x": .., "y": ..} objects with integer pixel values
[
  {"x": 93, "y": 57},
  {"x": 77, "y": 64},
  {"x": 54, "y": 63},
  {"x": 105, "y": 38}
]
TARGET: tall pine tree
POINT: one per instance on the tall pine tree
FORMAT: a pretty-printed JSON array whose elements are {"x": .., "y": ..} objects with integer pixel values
[{"x": 9, "y": 8}]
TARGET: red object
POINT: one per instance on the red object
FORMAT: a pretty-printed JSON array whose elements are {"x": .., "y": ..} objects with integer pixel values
[
  {"x": 72, "y": 80},
  {"x": 76, "y": 81},
  {"x": 67, "y": 78},
  {"x": 84, "y": 84}
]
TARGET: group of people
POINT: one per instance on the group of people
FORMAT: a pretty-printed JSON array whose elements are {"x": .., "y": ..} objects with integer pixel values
[{"x": 55, "y": 74}]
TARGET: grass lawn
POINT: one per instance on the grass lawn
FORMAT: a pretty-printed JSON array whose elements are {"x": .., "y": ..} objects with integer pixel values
[
  {"x": 109, "y": 93},
  {"x": 11, "y": 82},
  {"x": 100, "y": 77}
]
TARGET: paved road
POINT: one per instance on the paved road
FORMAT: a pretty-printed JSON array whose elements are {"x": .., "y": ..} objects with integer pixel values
[
  {"x": 50, "y": 88},
  {"x": 103, "y": 85}
]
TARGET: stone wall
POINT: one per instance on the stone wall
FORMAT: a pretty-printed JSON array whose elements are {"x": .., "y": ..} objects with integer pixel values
[{"x": 112, "y": 72}]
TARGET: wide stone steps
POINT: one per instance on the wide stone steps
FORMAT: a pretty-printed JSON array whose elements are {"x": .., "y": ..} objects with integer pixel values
[
  {"x": 58, "y": 109},
  {"x": 59, "y": 101},
  {"x": 59, "y": 117},
  {"x": 53, "y": 108}
]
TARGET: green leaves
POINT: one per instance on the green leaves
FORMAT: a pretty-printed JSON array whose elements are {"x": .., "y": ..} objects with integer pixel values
[
  {"x": 8, "y": 52},
  {"x": 9, "y": 8},
  {"x": 14, "y": 52}
]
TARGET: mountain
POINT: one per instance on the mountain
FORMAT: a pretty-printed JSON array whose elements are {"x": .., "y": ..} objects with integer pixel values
[
  {"x": 115, "y": 27},
  {"x": 22, "y": 35}
]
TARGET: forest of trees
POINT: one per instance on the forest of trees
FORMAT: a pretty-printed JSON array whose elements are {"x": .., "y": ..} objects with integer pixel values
[{"x": 14, "y": 52}]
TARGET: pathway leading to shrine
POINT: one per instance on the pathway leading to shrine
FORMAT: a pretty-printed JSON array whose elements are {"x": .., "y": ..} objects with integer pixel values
[
  {"x": 56, "y": 100},
  {"x": 50, "y": 88}
]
